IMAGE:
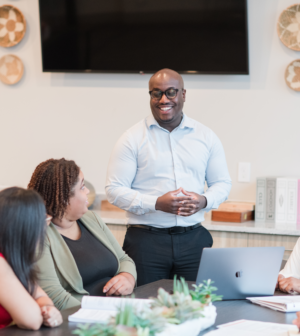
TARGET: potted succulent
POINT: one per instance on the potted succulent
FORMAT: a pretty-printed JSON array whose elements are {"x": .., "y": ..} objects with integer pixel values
[
  {"x": 183, "y": 312},
  {"x": 187, "y": 311},
  {"x": 128, "y": 322}
]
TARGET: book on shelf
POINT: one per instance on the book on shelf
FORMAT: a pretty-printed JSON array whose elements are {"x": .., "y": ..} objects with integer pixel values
[
  {"x": 270, "y": 199},
  {"x": 286, "y": 304},
  {"x": 277, "y": 200},
  {"x": 260, "y": 206},
  {"x": 286, "y": 200},
  {"x": 265, "y": 199},
  {"x": 298, "y": 203},
  {"x": 292, "y": 198},
  {"x": 97, "y": 309}
]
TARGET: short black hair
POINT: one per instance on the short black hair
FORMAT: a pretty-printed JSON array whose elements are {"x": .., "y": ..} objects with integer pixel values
[{"x": 22, "y": 232}]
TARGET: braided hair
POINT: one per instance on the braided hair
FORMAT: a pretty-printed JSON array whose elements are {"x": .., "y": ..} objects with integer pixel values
[{"x": 54, "y": 180}]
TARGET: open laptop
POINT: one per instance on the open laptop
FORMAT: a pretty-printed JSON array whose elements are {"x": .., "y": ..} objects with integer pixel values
[{"x": 241, "y": 272}]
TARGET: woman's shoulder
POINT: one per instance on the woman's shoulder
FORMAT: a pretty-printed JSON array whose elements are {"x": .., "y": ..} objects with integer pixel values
[
  {"x": 49, "y": 233},
  {"x": 91, "y": 217},
  {"x": 4, "y": 265}
]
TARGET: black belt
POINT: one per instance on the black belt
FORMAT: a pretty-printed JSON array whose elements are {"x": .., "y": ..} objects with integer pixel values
[{"x": 171, "y": 230}]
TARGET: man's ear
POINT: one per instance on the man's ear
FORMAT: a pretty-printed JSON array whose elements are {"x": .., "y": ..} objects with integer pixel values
[{"x": 183, "y": 94}]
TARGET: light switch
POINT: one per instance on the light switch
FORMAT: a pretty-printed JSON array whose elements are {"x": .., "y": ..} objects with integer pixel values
[{"x": 244, "y": 172}]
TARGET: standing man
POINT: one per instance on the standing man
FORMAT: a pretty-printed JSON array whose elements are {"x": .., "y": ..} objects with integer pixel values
[{"x": 157, "y": 173}]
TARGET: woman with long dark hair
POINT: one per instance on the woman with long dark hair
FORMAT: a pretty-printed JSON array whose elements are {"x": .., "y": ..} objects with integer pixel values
[{"x": 22, "y": 231}]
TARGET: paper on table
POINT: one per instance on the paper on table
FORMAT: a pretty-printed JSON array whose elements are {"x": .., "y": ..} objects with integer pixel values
[
  {"x": 230, "y": 332},
  {"x": 254, "y": 328},
  {"x": 101, "y": 309},
  {"x": 279, "y": 299},
  {"x": 281, "y": 303},
  {"x": 111, "y": 303},
  {"x": 91, "y": 315}
]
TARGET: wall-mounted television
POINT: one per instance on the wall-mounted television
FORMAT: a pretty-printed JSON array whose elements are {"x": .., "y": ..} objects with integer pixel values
[{"x": 143, "y": 36}]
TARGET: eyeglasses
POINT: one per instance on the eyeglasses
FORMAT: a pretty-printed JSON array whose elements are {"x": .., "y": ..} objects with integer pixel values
[{"x": 157, "y": 94}]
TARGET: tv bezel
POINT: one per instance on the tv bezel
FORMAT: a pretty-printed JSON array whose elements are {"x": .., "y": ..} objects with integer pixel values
[{"x": 142, "y": 72}]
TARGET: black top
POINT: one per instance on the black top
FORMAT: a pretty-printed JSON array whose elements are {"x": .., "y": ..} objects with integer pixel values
[{"x": 95, "y": 262}]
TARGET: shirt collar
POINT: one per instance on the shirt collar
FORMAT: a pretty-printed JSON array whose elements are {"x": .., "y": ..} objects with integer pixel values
[{"x": 185, "y": 122}]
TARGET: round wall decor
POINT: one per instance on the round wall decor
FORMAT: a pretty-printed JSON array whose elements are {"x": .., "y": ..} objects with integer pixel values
[
  {"x": 11, "y": 69},
  {"x": 292, "y": 75},
  {"x": 288, "y": 27},
  {"x": 12, "y": 26}
]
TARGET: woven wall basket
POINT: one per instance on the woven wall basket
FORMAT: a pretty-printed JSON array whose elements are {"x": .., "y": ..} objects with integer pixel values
[
  {"x": 12, "y": 26},
  {"x": 288, "y": 27},
  {"x": 11, "y": 69},
  {"x": 292, "y": 75}
]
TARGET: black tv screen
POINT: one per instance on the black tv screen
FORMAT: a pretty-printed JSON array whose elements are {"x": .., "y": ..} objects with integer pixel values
[{"x": 136, "y": 36}]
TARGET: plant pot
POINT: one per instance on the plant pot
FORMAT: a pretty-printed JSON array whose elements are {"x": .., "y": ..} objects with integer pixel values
[{"x": 192, "y": 327}]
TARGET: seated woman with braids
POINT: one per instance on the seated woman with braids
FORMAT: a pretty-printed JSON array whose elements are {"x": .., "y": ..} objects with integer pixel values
[
  {"x": 22, "y": 231},
  {"x": 81, "y": 256}
]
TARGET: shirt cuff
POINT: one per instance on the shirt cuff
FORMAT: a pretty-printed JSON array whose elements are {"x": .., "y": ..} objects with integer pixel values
[
  {"x": 210, "y": 201},
  {"x": 287, "y": 274},
  {"x": 149, "y": 202}
]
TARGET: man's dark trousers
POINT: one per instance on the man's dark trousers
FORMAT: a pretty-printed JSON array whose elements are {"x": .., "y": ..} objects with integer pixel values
[{"x": 160, "y": 255}]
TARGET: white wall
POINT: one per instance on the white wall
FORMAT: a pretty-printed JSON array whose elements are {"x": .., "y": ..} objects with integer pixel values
[{"x": 81, "y": 116}]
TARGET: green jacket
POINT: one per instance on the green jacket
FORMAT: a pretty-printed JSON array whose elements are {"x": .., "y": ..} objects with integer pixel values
[{"x": 58, "y": 273}]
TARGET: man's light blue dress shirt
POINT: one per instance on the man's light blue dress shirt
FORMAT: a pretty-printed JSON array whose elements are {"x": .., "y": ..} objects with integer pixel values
[{"x": 149, "y": 161}]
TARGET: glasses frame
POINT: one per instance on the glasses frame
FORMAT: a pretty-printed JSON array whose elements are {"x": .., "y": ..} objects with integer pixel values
[{"x": 164, "y": 93}]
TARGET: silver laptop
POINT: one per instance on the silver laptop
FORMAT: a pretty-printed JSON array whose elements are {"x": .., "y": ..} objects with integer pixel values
[{"x": 241, "y": 272}]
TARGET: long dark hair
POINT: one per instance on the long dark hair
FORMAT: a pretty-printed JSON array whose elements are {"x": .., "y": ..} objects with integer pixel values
[{"x": 22, "y": 232}]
